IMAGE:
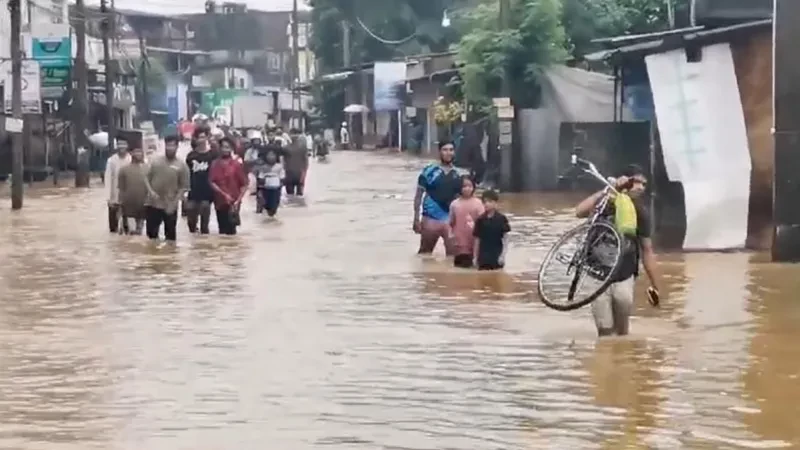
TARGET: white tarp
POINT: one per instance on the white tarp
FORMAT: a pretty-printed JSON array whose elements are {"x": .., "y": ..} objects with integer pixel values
[
  {"x": 704, "y": 140},
  {"x": 568, "y": 95}
]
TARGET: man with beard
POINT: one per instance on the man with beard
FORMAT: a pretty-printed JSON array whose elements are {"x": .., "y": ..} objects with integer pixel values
[
  {"x": 198, "y": 204},
  {"x": 133, "y": 192},
  {"x": 110, "y": 178},
  {"x": 229, "y": 182},
  {"x": 296, "y": 164},
  {"x": 437, "y": 186},
  {"x": 167, "y": 180}
]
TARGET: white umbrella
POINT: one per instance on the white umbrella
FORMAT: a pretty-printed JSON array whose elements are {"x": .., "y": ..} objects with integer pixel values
[
  {"x": 99, "y": 139},
  {"x": 356, "y": 109}
]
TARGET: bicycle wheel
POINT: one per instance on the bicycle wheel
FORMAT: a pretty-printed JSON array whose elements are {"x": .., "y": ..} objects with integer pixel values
[{"x": 588, "y": 253}]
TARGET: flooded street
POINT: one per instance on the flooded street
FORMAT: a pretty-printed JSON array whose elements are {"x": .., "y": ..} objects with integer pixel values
[{"x": 325, "y": 330}]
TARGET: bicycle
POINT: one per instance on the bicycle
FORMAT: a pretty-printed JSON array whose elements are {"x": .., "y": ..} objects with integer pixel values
[{"x": 595, "y": 257}]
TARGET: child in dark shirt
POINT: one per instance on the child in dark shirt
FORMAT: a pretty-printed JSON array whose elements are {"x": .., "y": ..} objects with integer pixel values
[{"x": 491, "y": 235}]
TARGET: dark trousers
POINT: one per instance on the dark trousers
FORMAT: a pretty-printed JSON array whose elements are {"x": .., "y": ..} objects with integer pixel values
[
  {"x": 225, "y": 220},
  {"x": 113, "y": 218},
  {"x": 294, "y": 185},
  {"x": 198, "y": 211},
  {"x": 270, "y": 200},
  {"x": 156, "y": 217}
]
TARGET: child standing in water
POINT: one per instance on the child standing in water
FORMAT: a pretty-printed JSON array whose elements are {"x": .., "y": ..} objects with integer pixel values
[
  {"x": 269, "y": 175},
  {"x": 491, "y": 235},
  {"x": 464, "y": 211}
]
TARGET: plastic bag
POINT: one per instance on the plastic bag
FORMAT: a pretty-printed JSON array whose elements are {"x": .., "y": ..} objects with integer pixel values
[{"x": 625, "y": 219}]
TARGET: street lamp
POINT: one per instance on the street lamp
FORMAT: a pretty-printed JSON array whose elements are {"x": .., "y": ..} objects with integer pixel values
[{"x": 445, "y": 20}]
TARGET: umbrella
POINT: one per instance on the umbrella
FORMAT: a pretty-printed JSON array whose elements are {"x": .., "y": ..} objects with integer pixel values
[
  {"x": 99, "y": 139},
  {"x": 356, "y": 109}
]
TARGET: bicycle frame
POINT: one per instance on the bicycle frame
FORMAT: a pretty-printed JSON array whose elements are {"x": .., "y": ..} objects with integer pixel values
[{"x": 589, "y": 168}]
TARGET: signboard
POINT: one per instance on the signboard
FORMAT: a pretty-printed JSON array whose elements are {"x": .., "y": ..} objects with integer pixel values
[
  {"x": 219, "y": 98},
  {"x": 31, "y": 92},
  {"x": 55, "y": 81},
  {"x": 390, "y": 85},
  {"x": 51, "y": 45}
]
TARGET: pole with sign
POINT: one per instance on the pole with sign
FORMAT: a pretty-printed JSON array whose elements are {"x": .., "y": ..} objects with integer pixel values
[{"x": 30, "y": 87}]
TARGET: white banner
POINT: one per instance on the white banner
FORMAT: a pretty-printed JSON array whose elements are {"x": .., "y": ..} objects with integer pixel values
[
  {"x": 704, "y": 141},
  {"x": 31, "y": 90},
  {"x": 390, "y": 85}
]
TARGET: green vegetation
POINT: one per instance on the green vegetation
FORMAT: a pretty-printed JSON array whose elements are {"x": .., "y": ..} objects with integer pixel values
[{"x": 539, "y": 33}]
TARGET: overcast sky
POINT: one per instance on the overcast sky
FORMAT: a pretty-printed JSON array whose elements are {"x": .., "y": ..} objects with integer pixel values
[{"x": 192, "y": 6}]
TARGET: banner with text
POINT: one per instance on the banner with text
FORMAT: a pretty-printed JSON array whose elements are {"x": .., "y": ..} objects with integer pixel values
[{"x": 31, "y": 87}]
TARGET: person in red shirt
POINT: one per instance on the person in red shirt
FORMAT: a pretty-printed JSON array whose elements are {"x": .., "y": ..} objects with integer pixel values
[{"x": 229, "y": 182}]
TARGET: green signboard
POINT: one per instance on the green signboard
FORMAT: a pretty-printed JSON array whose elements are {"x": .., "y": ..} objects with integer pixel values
[
  {"x": 218, "y": 97},
  {"x": 55, "y": 81},
  {"x": 51, "y": 45}
]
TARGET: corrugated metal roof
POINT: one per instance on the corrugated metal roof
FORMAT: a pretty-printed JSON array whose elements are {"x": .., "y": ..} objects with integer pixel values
[{"x": 665, "y": 43}]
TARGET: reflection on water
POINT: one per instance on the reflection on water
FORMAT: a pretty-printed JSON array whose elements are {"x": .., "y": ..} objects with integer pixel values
[{"x": 324, "y": 330}]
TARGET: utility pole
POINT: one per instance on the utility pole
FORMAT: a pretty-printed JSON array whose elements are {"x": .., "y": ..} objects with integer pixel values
[
  {"x": 346, "y": 64},
  {"x": 108, "y": 27},
  {"x": 17, "y": 168},
  {"x": 80, "y": 124},
  {"x": 506, "y": 115},
  {"x": 296, "y": 103}
]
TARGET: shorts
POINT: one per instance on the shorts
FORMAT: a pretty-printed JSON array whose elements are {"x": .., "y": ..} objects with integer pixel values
[
  {"x": 612, "y": 309},
  {"x": 463, "y": 261},
  {"x": 430, "y": 232}
]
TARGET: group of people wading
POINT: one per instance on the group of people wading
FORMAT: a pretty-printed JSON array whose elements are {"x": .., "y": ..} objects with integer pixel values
[{"x": 148, "y": 195}]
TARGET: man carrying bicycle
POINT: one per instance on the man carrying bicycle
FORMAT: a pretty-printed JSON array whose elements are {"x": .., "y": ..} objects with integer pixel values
[{"x": 613, "y": 308}]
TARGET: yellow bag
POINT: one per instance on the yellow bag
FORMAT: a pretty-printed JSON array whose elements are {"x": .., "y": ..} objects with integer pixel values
[{"x": 625, "y": 215}]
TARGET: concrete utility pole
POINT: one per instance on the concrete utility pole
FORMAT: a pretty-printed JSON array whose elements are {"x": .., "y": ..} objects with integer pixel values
[
  {"x": 17, "y": 169},
  {"x": 109, "y": 20},
  {"x": 346, "y": 63},
  {"x": 80, "y": 125},
  {"x": 509, "y": 170},
  {"x": 296, "y": 102}
]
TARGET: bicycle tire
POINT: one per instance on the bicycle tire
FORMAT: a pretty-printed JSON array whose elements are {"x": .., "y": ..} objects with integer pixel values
[{"x": 602, "y": 228}]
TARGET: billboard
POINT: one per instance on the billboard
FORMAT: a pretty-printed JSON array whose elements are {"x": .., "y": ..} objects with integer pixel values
[{"x": 390, "y": 85}]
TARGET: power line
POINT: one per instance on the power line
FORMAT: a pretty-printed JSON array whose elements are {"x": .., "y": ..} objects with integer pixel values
[{"x": 382, "y": 40}]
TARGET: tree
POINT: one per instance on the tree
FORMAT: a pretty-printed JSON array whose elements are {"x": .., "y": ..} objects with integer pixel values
[
  {"x": 585, "y": 20},
  {"x": 415, "y": 24},
  {"x": 534, "y": 40}
]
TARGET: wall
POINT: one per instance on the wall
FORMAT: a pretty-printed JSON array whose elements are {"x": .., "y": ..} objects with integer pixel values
[{"x": 753, "y": 62}]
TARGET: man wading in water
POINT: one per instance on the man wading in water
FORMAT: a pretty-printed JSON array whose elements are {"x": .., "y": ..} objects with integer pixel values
[
  {"x": 230, "y": 183},
  {"x": 167, "y": 180},
  {"x": 296, "y": 164},
  {"x": 201, "y": 195},
  {"x": 437, "y": 186},
  {"x": 132, "y": 184},
  {"x": 612, "y": 310},
  {"x": 110, "y": 178}
]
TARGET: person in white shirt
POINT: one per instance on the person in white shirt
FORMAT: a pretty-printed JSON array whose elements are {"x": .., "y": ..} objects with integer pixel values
[
  {"x": 344, "y": 136},
  {"x": 110, "y": 179}
]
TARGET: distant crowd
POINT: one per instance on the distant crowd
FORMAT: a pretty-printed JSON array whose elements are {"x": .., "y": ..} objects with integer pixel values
[{"x": 209, "y": 168}]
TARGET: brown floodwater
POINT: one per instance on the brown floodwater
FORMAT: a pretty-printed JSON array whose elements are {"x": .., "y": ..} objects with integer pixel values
[{"x": 325, "y": 330}]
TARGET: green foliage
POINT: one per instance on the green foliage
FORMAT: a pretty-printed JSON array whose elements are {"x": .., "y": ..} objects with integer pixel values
[
  {"x": 585, "y": 20},
  {"x": 391, "y": 20},
  {"x": 156, "y": 74},
  {"x": 532, "y": 40}
]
